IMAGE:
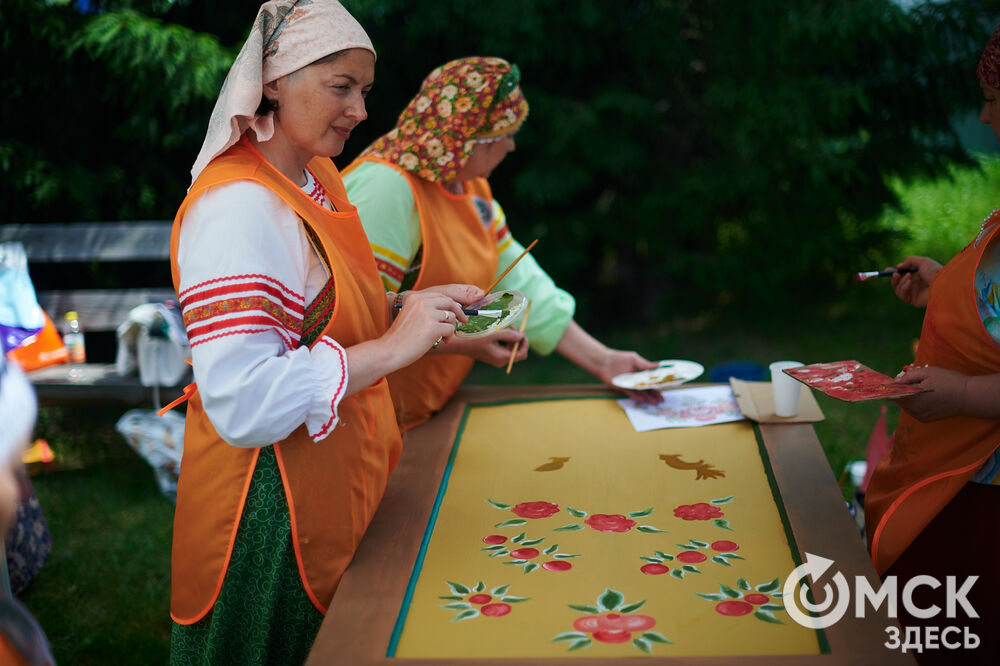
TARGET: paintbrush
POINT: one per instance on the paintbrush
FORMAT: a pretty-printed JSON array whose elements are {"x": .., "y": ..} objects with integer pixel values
[
  {"x": 512, "y": 264},
  {"x": 484, "y": 313},
  {"x": 861, "y": 277},
  {"x": 513, "y": 353}
]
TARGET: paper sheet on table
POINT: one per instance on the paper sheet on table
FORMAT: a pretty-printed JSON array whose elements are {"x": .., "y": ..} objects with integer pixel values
[{"x": 685, "y": 408}]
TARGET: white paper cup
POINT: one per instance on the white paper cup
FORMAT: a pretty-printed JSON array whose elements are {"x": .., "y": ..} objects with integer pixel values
[{"x": 786, "y": 390}]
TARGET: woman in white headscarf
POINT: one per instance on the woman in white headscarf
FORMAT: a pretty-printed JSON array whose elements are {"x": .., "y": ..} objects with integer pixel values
[{"x": 290, "y": 435}]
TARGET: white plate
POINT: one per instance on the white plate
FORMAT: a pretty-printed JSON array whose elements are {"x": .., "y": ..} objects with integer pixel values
[
  {"x": 514, "y": 311},
  {"x": 669, "y": 373}
]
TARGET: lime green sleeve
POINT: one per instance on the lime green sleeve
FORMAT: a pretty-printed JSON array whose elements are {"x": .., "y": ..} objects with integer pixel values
[
  {"x": 389, "y": 216},
  {"x": 552, "y": 308}
]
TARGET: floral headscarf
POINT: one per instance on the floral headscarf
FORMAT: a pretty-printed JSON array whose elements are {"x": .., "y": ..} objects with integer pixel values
[
  {"x": 988, "y": 70},
  {"x": 459, "y": 103},
  {"x": 286, "y": 36}
]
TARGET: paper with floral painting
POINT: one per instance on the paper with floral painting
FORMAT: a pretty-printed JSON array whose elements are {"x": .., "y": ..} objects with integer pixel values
[{"x": 685, "y": 408}]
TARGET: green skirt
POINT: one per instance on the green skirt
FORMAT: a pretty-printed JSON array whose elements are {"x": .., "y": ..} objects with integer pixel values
[{"x": 262, "y": 614}]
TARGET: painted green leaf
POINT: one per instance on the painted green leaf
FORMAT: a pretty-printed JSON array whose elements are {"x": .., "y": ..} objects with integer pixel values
[
  {"x": 513, "y": 521},
  {"x": 572, "y": 527},
  {"x": 458, "y": 606},
  {"x": 700, "y": 544},
  {"x": 565, "y": 556},
  {"x": 677, "y": 573},
  {"x": 723, "y": 500},
  {"x": 495, "y": 547},
  {"x": 611, "y": 599},
  {"x": 767, "y": 617},
  {"x": 687, "y": 546},
  {"x": 568, "y": 636},
  {"x": 529, "y": 567},
  {"x": 721, "y": 560},
  {"x": 777, "y": 594},
  {"x": 742, "y": 583},
  {"x": 500, "y": 552},
  {"x": 767, "y": 588},
  {"x": 458, "y": 588},
  {"x": 660, "y": 553},
  {"x": 655, "y": 637},
  {"x": 631, "y": 608},
  {"x": 642, "y": 645},
  {"x": 480, "y": 586},
  {"x": 649, "y": 529},
  {"x": 513, "y": 600},
  {"x": 638, "y": 514},
  {"x": 722, "y": 524},
  {"x": 499, "y": 505},
  {"x": 576, "y": 513},
  {"x": 451, "y": 598},
  {"x": 516, "y": 562},
  {"x": 533, "y": 542},
  {"x": 654, "y": 560},
  {"x": 497, "y": 591},
  {"x": 715, "y": 596},
  {"x": 551, "y": 549},
  {"x": 519, "y": 537},
  {"x": 772, "y": 607},
  {"x": 585, "y": 609},
  {"x": 582, "y": 643},
  {"x": 729, "y": 592},
  {"x": 732, "y": 556},
  {"x": 466, "y": 614},
  {"x": 690, "y": 568}
]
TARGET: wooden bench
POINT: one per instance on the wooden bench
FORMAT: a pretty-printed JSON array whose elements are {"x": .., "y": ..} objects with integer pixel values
[{"x": 102, "y": 270}]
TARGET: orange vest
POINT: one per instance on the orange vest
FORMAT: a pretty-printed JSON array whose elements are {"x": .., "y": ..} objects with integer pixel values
[
  {"x": 457, "y": 248},
  {"x": 332, "y": 486},
  {"x": 930, "y": 462}
]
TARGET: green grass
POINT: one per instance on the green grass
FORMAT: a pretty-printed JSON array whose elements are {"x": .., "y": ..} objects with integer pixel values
[{"x": 103, "y": 595}]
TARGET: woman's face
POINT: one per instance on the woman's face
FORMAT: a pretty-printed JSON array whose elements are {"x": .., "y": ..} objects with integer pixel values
[
  {"x": 990, "y": 114},
  {"x": 320, "y": 104},
  {"x": 485, "y": 157}
]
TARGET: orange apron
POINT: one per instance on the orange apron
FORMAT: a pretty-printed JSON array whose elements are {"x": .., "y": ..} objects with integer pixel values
[
  {"x": 332, "y": 486},
  {"x": 930, "y": 462},
  {"x": 457, "y": 248}
]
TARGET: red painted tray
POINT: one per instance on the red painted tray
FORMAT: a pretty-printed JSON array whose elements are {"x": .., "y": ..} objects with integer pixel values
[{"x": 850, "y": 381}]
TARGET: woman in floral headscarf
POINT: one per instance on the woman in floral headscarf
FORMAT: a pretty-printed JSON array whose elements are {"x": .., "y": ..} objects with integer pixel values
[
  {"x": 290, "y": 432},
  {"x": 933, "y": 503},
  {"x": 426, "y": 205}
]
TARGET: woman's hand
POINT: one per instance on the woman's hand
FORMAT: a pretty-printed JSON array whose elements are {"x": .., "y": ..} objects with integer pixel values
[
  {"x": 946, "y": 395},
  {"x": 616, "y": 362},
  {"x": 494, "y": 348},
  {"x": 913, "y": 288}
]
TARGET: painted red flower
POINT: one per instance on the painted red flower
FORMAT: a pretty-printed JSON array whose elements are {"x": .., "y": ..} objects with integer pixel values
[
  {"x": 613, "y": 627},
  {"x": 603, "y": 522},
  {"x": 699, "y": 511},
  {"x": 535, "y": 509}
]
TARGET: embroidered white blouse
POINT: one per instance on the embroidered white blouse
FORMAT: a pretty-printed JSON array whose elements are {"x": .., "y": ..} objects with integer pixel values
[{"x": 248, "y": 272}]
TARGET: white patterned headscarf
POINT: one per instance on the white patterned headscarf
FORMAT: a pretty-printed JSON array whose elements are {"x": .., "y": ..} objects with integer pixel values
[
  {"x": 286, "y": 36},
  {"x": 18, "y": 408}
]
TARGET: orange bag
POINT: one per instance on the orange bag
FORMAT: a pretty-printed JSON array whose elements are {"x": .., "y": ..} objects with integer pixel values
[{"x": 40, "y": 350}]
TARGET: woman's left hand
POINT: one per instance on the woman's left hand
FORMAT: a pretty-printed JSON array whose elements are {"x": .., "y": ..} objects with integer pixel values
[
  {"x": 616, "y": 362},
  {"x": 945, "y": 398}
]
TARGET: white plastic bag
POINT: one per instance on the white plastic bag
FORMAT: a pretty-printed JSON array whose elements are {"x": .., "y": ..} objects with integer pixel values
[
  {"x": 160, "y": 442},
  {"x": 153, "y": 340}
]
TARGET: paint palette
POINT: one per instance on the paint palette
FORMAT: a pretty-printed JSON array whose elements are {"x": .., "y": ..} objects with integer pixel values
[
  {"x": 509, "y": 300},
  {"x": 850, "y": 381},
  {"x": 668, "y": 373}
]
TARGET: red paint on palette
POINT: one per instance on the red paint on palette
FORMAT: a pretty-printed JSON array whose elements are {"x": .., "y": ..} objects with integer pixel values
[{"x": 850, "y": 381}]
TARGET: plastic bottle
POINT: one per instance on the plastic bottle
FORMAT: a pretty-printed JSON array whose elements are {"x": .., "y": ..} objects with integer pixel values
[{"x": 73, "y": 339}]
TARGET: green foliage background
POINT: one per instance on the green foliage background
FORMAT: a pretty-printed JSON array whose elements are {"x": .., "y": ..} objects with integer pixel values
[{"x": 678, "y": 154}]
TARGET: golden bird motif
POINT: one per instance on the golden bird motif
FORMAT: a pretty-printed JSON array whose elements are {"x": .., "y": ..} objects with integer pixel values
[
  {"x": 556, "y": 463},
  {"x": 703, "y": 469}
]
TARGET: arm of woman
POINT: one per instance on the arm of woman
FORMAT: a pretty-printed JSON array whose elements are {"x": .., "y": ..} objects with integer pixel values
[{"x": 950, "y": 393}]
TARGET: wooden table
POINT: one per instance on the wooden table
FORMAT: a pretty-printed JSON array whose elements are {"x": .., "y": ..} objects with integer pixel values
[{"x": 361, "y": 620}]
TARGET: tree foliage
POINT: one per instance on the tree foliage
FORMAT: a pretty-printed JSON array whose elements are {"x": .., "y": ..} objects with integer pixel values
[{"x": 677, "y": 152}]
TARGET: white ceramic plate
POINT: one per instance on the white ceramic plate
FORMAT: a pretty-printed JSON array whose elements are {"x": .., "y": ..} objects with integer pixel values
[
  {"x": 514, "y": 311},
  {"x": 669, "y": 373}
]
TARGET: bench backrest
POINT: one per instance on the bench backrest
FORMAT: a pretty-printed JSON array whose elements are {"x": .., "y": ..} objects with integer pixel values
[{"x": 84, "y": 242}]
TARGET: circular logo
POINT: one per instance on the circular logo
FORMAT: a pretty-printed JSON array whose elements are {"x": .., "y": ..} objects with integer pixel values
[{"x": 814, "y": 617}]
